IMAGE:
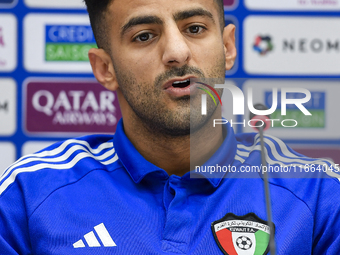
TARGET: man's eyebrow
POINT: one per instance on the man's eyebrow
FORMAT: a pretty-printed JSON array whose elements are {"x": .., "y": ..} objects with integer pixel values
[
  {"x": 140, "y": 21},
  {"x": 182, "y": 15}
]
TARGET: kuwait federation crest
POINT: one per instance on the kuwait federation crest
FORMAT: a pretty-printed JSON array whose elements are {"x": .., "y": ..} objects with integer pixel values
[{"x": 242, "y": 235}]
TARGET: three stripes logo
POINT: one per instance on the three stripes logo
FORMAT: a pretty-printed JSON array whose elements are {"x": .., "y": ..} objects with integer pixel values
[{"x": 92, "y": 241}]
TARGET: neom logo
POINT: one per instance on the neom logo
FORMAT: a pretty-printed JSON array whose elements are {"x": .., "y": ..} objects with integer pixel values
[
  {"x": 263, "y": 45},
  {"x": 68, "y": 43},
  {"x": 316, "y": 45}
]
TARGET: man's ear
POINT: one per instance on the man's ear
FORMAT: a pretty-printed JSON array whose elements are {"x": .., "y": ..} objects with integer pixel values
[
  {"x": 229, "y": 46},
  {"x": 103, "y": 69}
]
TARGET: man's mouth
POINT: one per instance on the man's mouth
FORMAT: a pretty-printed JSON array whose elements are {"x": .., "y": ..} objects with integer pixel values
[
  {"x": 181, "y": 84},
  {"x": 180, "y": 87}
]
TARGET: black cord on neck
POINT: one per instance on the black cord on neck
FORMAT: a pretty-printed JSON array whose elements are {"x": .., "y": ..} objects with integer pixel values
[{"x": 272, "y": 245}]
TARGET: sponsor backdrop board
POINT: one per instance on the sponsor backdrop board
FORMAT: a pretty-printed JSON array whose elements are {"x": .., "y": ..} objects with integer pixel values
[
  {"x": 57, "y": 43},
  {"x": 7, "y": 155},
  {"x": 291, "y": 45},
  {"x": 60, "y": 4},
  {"x": 291, "y": 5},
  {"x": 8, "y": 105},
  {"x": 31, "y": 147},
  {"x": 8, "y": 42},
  {"x": 48, "y": 92}
]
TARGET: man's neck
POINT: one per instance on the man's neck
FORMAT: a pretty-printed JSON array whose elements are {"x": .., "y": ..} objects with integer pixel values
[{"x": 173, "y": 154}]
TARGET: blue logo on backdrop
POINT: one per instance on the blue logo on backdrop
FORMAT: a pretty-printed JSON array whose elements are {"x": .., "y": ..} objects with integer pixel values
[
  {"x": 6, "y": 1},
  {"x": 68, "y": 42},
  {"x": 69, "y": 34}
]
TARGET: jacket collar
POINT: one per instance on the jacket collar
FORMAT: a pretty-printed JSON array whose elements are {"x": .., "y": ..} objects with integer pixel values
[{"x": 138, "y": 167}]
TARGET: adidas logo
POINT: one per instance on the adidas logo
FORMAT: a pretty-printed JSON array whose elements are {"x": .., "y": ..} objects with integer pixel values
[{"x": 92, "y": 240}]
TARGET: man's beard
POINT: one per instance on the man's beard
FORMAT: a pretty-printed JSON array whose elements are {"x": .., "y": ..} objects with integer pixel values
[{"x": 149, "y": 106}]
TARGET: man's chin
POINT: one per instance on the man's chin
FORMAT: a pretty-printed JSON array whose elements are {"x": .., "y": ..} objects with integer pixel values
[
  {"x": 182, "y": 120},
  {"x": 196, "y": 124},
  {"x": 169, "y": 128},
  {"x": 186, "y": 128},
  {"x": 199, "y": 121}
]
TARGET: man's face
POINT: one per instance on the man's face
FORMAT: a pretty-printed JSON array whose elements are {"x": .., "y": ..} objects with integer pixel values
[{"x": 155, "y": 46}]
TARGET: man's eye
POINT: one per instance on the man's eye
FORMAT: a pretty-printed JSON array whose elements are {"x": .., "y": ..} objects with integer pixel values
[
  {"x": 143, "y": 37},
  {"x": 196, "y": 29}
]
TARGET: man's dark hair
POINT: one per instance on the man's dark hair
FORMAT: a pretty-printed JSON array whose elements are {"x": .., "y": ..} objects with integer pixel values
[{"x": 98, "y": 9}]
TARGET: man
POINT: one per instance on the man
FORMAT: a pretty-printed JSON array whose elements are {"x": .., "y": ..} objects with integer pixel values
[{"x": 133, "y": 193}]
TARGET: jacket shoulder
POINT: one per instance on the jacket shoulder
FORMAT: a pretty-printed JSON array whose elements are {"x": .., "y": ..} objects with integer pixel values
[{"x": 37, "y": 175}]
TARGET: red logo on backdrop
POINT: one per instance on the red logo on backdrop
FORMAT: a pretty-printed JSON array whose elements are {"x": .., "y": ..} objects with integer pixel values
[
  {"x": 2, "y": 44},
  {"x": 70, "y": 107},
  {"x": 229, "y": 3}
]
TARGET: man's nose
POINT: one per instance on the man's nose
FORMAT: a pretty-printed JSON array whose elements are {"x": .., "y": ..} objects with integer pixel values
[{"x": 176, "y": 51}]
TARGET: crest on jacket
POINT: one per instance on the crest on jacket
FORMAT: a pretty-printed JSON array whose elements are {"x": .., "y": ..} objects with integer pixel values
[{"x": 242, "y": 235}]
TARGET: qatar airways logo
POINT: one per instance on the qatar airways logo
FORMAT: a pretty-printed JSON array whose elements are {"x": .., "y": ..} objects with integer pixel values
[
  {"x": 239, "y": 105},
  {"x": 68, "y": 106}
]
